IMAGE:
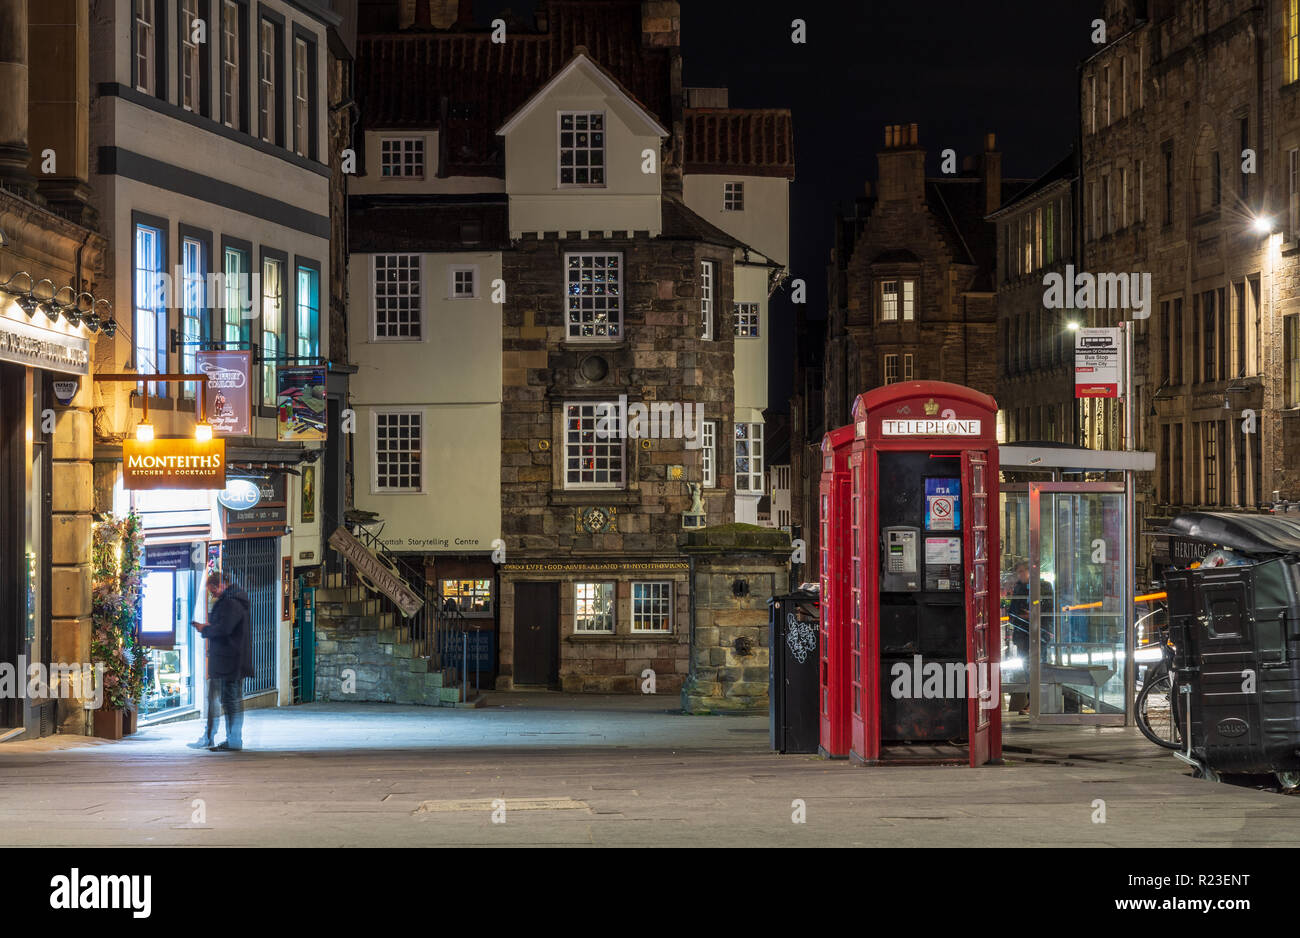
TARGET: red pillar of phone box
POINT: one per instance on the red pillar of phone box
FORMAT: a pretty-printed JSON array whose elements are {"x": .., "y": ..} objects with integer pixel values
[
  {"x": 947, "y": 422},
  {"x": 836, "y": 549}
]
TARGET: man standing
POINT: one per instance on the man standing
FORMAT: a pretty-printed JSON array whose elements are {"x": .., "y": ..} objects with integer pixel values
[{"x": 230, "y": 654}]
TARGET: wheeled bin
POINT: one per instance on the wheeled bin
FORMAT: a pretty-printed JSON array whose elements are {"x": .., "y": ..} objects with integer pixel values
[
  {"x": 1236, "y": 631},
  {"x": 793, "y": 663}
]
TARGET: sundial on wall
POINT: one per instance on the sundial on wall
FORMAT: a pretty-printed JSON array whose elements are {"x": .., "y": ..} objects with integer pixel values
[{"x": 596, "y": 519}]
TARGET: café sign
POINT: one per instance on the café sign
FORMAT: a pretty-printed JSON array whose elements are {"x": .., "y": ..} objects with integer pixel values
[
  {"x": 25, "y": 344},
  {"x": 174, "y": 464}
]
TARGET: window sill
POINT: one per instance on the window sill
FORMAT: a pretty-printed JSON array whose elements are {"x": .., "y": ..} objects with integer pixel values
[
  {"x": 620, "y": 638},
  {"x": 587, "y": 345},
  {"x": 597, "y": 497}
]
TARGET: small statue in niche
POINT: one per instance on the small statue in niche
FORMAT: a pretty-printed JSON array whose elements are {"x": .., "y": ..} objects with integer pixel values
[{"x": 697, "y": 497}]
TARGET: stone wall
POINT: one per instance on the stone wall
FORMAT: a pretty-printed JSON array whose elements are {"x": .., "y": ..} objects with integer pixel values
[
  {"x": 353, "y": 635},
  {"x": 737, "y": 568}
]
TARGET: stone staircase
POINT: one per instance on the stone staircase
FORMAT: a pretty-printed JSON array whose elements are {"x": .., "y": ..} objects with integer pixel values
[{"x": 354, "y": 633}]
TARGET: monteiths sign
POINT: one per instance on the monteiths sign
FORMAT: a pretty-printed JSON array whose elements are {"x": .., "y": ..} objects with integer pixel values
[
  {"x": 174, "y": 464},
  {"x": 376, "y": 574}
]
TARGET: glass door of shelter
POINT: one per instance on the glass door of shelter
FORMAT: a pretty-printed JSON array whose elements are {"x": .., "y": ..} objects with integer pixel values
[{"x": 1078, "y": 583}]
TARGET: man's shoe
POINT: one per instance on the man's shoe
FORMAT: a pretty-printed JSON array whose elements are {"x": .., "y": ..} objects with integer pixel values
[
  {"x": 201, "y": 744},
  {"x": 225, "y": 747}
]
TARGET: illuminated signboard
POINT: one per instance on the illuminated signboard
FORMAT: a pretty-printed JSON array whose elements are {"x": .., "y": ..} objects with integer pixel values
[{"x": 174, "y": 464}]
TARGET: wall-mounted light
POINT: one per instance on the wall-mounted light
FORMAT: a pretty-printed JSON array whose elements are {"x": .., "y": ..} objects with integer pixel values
[{"x": 46, "y": 304}]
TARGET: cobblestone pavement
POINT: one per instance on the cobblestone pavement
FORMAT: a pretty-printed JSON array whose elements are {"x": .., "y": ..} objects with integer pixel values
[{"x": 601, "y": 771}]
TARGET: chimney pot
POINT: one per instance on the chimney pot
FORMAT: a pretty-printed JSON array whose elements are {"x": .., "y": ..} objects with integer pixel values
[
  {"x": 913, "y": 139},
  {"x": 990, "y": 142}
]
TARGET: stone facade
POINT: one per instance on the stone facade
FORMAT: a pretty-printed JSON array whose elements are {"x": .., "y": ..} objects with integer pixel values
[
  {"x": 736, "y": 569},
  {"x": 660, "y": 359},
  {"x": 1170, "y": 104},
  {"x": 1035, "y": 390}
]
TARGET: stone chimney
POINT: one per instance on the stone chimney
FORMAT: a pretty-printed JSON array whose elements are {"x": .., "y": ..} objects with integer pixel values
[
  {"x": 902, "y": 165},
  {"x": 59, "y": 106},
  {"x": 991, "y": 174},
  {"x": 661, "y": 28},
  {"x": 661, "y": 23}
]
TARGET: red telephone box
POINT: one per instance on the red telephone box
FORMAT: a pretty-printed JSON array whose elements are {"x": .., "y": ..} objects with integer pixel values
[
  {"x": 836, "y": 550},
  {"x": 924, "y": 655}
]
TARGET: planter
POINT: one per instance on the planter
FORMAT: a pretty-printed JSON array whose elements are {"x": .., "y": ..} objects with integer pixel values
[
  {"x": 108, "y": 723},
  {"x": 130, "y": 719}
]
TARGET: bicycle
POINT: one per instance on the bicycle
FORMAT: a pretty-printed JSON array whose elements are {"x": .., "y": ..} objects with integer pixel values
[{"x": 1157, "y": 708}]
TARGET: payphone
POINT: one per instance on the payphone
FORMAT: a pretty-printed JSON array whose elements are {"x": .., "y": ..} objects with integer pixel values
[{"x": 922, "y": 615}]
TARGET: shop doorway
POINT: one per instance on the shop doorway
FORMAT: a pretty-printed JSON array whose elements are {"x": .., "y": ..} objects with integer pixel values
[
  {"x": 254, "y": 563},
  {"x": 13, "y": 493},
  {"x": 169, "y": 597},
  {"x": 537, "y": 633}
]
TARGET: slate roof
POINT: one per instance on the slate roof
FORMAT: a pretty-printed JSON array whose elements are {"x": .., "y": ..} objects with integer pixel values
[
  {"x": 752, "y": 142},
  {"x": 681, "y": 224},
  {"x": 465, "y": 86},
  {"x": 958, "y": 206}
]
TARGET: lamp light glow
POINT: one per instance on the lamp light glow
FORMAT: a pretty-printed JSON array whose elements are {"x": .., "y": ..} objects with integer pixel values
[
  {"x": 144, "y": 431},
  {"x": 203, "y": 431}
]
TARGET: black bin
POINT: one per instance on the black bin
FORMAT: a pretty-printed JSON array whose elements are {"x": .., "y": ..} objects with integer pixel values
[
  {"x": 1236, "y": 630},
  {"x": 793, "y": 661}
]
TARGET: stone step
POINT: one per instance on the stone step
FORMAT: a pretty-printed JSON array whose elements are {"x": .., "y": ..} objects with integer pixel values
[
  {"x": 340, "y": 594},
  {"x": 475, "y": 702},
  {"x": 339, "y": 610}
]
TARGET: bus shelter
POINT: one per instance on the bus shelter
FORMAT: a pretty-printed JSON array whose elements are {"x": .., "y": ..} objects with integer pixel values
[{"x": 1066, "y": 566}]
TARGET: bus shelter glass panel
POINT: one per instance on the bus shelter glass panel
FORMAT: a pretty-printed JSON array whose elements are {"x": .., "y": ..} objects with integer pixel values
[
  {"x": 1014, "y": 587},
  {"x": 1077, "y": 600}
]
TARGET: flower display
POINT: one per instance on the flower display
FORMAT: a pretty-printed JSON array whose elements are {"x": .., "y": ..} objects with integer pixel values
[{"x": 117, "y": 554}]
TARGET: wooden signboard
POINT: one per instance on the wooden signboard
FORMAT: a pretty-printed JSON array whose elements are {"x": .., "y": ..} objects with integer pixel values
[
  {"x": 174, "y": 464},
  {"x": 378, "y": 575}
]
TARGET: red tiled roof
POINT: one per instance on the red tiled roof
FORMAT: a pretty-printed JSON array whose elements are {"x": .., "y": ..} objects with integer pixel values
[
  {"x": 736, "y": 140},
  {"x": 403, "y": 78}
]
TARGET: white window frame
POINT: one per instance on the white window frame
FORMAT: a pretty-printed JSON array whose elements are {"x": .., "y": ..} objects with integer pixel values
[
  {"x": 231, "y": 74},
  {"x": 708, "y": 279},
  {"x": 892, "y": 369},
  {"x": 909, "y": 367},
  {"x": 273, "y": 344},
  {"x": 414, "y": 292},
  {"x": 746, "y": 319},
  {"x": 403, "y": 153},
  {"x": 733, "y": 196},
  {"x": 560, "y": 148},
  {"x": 191, "y": 59},
  {"x": 375, "y": 487},
  {"x": 302, "y": 115},
  {"x": 709, "y": 451},
  {"x": 267, "y": 92},
  {"x": 584, "y": 602},
  {"x": 655, "y": 595},
  {"x": 617, "y": 445},
  {"x": 146, "y": 22},
  {"x": 905, "y": 299},
  {"x": 569, "y": 298},
  {"x": 755, "y": 472},
  {"x": 452, "y": 271}
]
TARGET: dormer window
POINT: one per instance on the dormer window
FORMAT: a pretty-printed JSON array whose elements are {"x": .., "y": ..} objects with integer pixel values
[
  {"x": 401, "y": 157},
  {"x": 733, "y": 197},
  {"x": 582, "y": 148}
]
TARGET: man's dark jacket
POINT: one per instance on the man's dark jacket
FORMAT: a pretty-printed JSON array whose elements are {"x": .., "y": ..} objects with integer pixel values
[{"x": 230, "y": 652}]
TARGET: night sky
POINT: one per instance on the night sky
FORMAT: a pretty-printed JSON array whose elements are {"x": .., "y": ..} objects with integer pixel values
[{"x": 958, "y": 69}]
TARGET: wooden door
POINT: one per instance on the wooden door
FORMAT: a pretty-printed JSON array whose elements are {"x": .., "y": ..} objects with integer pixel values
[{"x": 537, "y": 633}]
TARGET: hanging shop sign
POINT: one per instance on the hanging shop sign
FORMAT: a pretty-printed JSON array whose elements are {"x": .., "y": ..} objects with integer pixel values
[
  {"x": 1097, "y": 362},
  {"x": 22, "y": 343},
  {"x": 375, "y": 573},
  {"x": 240, "y": 495},
  {"x": 173, "y": 464},
  {"x": 229, "y": 405},
  {"x": 266, "y": 517},
  {"x": 300, "y": 403}
]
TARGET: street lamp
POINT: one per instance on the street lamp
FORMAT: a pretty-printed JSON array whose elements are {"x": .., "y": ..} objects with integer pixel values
[{"x": 1262, "y": 225}]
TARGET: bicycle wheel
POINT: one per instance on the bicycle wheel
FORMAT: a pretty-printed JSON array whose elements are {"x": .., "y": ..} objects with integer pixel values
[{"x": 1156, "y": 713}]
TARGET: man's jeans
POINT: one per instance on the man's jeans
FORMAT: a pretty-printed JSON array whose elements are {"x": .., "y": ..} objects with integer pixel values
[
  {"x": 231, "y": 692},
  {"x": 213, "y": 694}
]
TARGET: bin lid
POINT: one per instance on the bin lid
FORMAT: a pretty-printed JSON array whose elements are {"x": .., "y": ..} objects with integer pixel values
[{"x": 1250, "y": 534}]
